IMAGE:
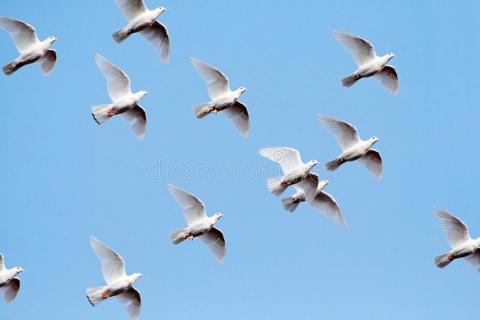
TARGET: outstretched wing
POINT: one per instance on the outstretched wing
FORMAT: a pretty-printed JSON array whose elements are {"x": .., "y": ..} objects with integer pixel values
[
  {"x": 137, "y": 116},
  {"x": 132, "y": 301},
  {"x": 373, "y": 161},
  {"x": 11, "y": 290},
  {"x": 324, "y": 202},
  {"x": 288, "y": 158},
  {"x": 217, "y": 82},
  {"x": 361, "y": 49},
  {"x": 345, "y": 134},
  {"x": 193, "y": 208},
  {"x": 48, "y": 61},
  {"x": 23, "y": 34},
  {"x": 455, "y": 230},
  {"x": 117, "y": 80},
  {"x": 216, "y": 243},
  {"x": 113, "y": 265},
  {"x": 131, "y": 8},
  {"x": 309, "y": 186},
  {"x": 157, "y": 36},
  {"x": 239, "y": 115},
  {"x": 389, "y": 79}
]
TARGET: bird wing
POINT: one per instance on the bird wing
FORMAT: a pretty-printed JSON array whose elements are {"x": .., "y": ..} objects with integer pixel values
[
  {"x": 309, "y": 186},
  {"x": 193, "y": 208},
  {"x": 455, "y": 230},
  {"x": 216, "y": 243},
  {"x": 137, "y": 117},
  {"x": 288, "y": 158},
  {"x": 157, "y": 36},
  {"x": 474, "y": 259},
  {"x": 217, "y": 81},
  {"x": 23, "y": 34},
  {"x": 2, "y": 262},
  {"x": 361, "y": 49},
  {"x": 113, "y": 265},
  {"x": 117, "y": 80},
  {"x": 239, "y": 114},
  {"x": 389, "y": 79},
  {"x": 132, "y": 301},
  {"x": 345, "y": 133},
  {"x": 11, "y": 290},
  {"x": 324, "y": 202},
  {"x": 131, "y": 8},
  {"x": 373, "y": 161},
  {"x": 48, "y": 61}
]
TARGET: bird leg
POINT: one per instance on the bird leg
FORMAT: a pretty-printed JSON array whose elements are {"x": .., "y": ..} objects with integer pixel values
[
  {"x": 111, "y": 112},
  {"x": 106, "y": 294}
]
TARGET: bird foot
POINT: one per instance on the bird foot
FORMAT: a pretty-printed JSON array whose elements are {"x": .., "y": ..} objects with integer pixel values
[
  {"x": 106, "y": 294},
  {"x": 111, "y": 112},
  {"x": 283, "y": 184}
]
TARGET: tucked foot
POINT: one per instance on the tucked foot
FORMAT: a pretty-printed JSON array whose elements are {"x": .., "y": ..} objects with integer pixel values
[{"x": 106, "y": 294}]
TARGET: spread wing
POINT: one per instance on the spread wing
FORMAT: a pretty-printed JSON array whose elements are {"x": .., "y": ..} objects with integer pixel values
[
  {"x": 361, "y": 49},
  {"x": 309, "y": 186},
  {"x": 288, "y": 158},
  {"x": 327, "y": 204},
  {"x": 113, "y": 265},
  {"x": 11, "y": 290},
  {"x": 132, "y": 301},
  {"x": 157, "y": 36},
  {"x": 217, "y": 82},
  {"x": 455, "y": 230},
  {"x": 373, "y": 161},
  {"x": 23, "y": 34},
  {"x": 389, "y": 79},
  {"x": 345, "y": 134},
  {"x": 193, "y": 208},
  {"x": 48, "y": 61},
  {"x": 117, "y": 80},
  {"x": 239, "y": 115},
  {"x": 216, "y": 243},
  {"x": 131, "y": 8},
  {"x": 137, "y": 117}
]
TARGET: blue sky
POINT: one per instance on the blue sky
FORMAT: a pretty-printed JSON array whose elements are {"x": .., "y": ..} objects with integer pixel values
[{"x": 64, "y": 178}]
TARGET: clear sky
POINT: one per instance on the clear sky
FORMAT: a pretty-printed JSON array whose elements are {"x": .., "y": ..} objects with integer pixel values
[{"x": 63, "y": 178}]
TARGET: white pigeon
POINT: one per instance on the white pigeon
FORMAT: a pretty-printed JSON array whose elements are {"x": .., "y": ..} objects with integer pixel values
[
  {"x": 143, "y": 20},
  {"x": 322, "y": 201},
  {"x": 369, "y": 64},
  {"x": 294, "y": 170},
  {"x": 30, "y": 48},
  {"x": 118, "y": 283},
  {"x": 222, "y": 97},
  {"x": 353, "y": 148},
  {"x": 9, "y": 281},
  {"x": 198, "y": 223},
  {"x": 124, "y": 101},
  {"x": 459, "y": 239}
]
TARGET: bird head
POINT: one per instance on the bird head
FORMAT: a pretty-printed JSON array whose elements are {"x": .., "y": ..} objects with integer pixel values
[
  {"x": 160, "y": 10},
  {"x": 322, "y": 184},
  {"x": 312, "y": 163},
  {"x": 18, "y": 269},
  {"x": 390, "y": 56},
  {"x": 142, "y": 94},
  {"x": 136, "y": 276},
  {"x": 374, "y": 139},
  {"x": 52, "y": 39},
  {"x": 218, "y": 216}
]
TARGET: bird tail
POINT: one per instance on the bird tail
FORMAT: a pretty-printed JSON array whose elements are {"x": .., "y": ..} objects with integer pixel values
[
  {"x": 11, "y": 68},
  {"x": 290, "y": 204},
  {"x": 275, "y": 185},
  {"x": 443, "y": 260},
  {"x": 334, "y": 164},
  {"x": 120, "y": 35},
  {"x": 350, "y": 80},
  {"x": 96, "y": 295},
  {"x": 100, "y": 113},
  {"x": 201, "y": 110},
  {"x": 177, "y": 236}
]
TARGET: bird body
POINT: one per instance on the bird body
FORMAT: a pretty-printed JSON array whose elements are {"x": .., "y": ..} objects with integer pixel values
[
  {"x": 9, "y": 282},
  {"x": 196, "y": 230},
  {"x": 138, "y": 23}
]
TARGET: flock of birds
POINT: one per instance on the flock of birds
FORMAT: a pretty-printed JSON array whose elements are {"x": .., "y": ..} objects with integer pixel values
[{"x": 309, "y": 187}]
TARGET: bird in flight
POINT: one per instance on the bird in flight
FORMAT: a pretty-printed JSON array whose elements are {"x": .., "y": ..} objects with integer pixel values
[{"x": 9, "y": 282}]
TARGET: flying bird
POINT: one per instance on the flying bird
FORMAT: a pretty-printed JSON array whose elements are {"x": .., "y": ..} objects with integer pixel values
[
  {"x": 322, "y": 201},
  {"x": 222, "y": 97},
  {"x": 140, "y": 19},
  {"x": 353, "y": 148},
  {"x": 459, "y": 239},
  {"x": 119, "y": 284},
  {"x": 294, "y": 170},
  {"x": 198, "y": 223},
  {"x": 9, "y": 282},
  {"x": 30, "y": 48},
  {"x": 124, "y": 101},
  {"x": 369, "y": 64}
]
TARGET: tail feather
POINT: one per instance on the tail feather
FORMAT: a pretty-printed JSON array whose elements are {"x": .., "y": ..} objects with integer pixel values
[
  {"x": 100, "y": 113},
  {"x": 443, "y": 260},
  {"x": 177, "y": 236},
  {"x": 350, "y": 80},
  {"x": 290, "y": 204},
  {"x": 120, "y": 35},
  {"x": 11, "y": 68},
  {"x": 334, "y": 164},
  {"x": 95, "y": 295},
  {"x": 275, "y": 185},
  {"x": 201, "y": 110}
]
